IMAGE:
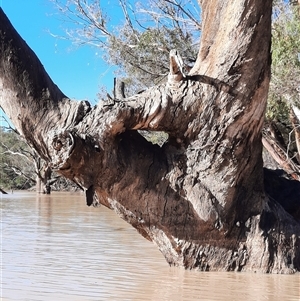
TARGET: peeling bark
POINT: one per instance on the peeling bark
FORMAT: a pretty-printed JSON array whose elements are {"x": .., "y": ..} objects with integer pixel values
[{"x": 200, "y": 197}]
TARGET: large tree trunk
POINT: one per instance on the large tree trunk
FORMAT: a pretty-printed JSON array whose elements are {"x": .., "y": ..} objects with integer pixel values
[{"x": 199, "y": 197}]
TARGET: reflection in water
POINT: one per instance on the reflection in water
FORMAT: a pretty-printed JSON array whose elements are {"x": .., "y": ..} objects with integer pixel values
[{"x": 54, "y": 247}]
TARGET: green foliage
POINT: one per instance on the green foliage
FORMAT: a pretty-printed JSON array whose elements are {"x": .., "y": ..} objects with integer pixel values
[
  {"x": 12, "y": 163},
  {"x": 277, "y": 109},
  {"x": 143, "y": 57},
  {"x": 158, "y": 138},
  {"x": 285, "y": 83}
]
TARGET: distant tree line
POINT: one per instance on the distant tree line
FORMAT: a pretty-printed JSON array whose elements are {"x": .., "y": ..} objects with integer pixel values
[
  {"x": 22, "y": 168},
  {"x": 16, "y": 167}
]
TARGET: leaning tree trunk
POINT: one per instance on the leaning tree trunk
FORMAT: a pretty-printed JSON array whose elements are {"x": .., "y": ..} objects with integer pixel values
[
  {"x": 200, "y": 196},
  {"x": 3, "y": 191}
]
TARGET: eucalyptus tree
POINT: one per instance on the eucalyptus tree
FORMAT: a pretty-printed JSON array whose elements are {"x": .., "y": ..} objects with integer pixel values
[
  {"x": 16, "y": 169},
  {"x": 200, "y": 197},
  {"x": 21, "y": 166}
]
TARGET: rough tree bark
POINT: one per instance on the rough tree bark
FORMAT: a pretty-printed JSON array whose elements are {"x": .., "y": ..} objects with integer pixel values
[{"x": 200, "y": 197}]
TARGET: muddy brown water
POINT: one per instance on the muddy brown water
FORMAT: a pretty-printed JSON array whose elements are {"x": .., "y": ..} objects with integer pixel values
[{"x": 56, "y": 248}]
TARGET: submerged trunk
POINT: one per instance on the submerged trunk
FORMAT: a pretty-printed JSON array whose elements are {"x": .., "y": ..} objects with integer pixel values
[
  {"x": 200, "y": 197},
  {"x": 3, "y": 191}
]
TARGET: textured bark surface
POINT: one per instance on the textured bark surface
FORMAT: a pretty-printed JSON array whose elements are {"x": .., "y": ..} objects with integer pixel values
[{"x": 200, "y": 197}]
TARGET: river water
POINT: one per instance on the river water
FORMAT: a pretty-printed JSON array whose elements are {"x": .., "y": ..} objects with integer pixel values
[{"x": 54, "y": 247}]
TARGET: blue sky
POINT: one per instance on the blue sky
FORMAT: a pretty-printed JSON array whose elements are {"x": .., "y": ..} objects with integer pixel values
[{"x": 78, "y": 72}]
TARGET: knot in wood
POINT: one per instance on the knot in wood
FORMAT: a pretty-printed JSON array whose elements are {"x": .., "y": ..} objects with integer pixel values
[
  {"x": 57, "y": 144},
  {"x": 62, "y": 145},
  {"x": 62, "y": 140}
]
